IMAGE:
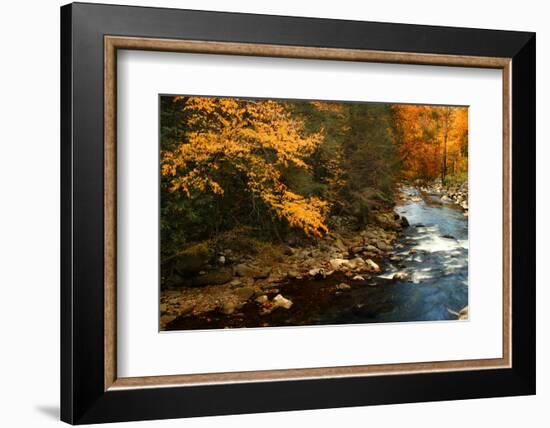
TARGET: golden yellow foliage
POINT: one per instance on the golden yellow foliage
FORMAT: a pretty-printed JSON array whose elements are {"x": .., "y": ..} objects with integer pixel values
[{"x": 254, "y": 138}]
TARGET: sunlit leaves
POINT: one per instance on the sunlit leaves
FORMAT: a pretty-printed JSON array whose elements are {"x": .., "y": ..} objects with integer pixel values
[{"x": 254, "y": 138}]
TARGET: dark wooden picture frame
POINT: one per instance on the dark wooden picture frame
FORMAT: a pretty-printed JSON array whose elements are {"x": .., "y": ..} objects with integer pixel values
[{"x": 90, "y": 389}]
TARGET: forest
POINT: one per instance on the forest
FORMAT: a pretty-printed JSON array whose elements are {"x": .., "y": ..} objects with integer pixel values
[{"x": 247, "y": 184}]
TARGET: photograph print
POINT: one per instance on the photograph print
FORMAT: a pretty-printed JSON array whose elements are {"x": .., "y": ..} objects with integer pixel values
[{"x": 277, "y": 212}]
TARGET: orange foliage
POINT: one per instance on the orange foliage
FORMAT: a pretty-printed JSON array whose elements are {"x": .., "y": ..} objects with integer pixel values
[
  {"x": 433, "y": 140},
  {"x": 257, "y": 139}
]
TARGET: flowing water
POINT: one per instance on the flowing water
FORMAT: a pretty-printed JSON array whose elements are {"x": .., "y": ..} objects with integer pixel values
[{"x": 433, "y": 251}]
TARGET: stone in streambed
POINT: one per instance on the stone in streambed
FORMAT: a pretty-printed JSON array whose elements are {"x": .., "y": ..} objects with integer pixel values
[
  {"x": 338, "y": 264},
  {"x": 401, "y": 276},
  {"x": 228, "y": 308},
  {"x": 293, "y": 275},
  {"x": 244, "y": 293},
  {"x": 262, "y": 299},
  {"x": 212, "y": 278},
  {"x": 383, "y": 246},
  {"x": 318, "y": 273},
  {"x": 372, "y": 266},
  {"x": 185, "y": 308},
  {"x": 448, "y": 237},
  {"x": 246, "y": 270},
  {"x": 282, "y": 302},
  {"x": 278, "y": 302},
  {"x": 166, "y": 319}
]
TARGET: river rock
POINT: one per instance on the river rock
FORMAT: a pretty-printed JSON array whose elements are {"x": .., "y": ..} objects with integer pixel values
[
  {"x": 292, "y": 274},
  {"x": 278, "y": 302},
  {"x": 404, "y": 222},
  {"x": 357, "y": 249},
  {"x": 318, "y": 273},
  {"x": 343, "y": 286},
  {"x": 192, "y": 259},
  {"x": 186, "y": 308},
  {"x": 166, "y": 319},
  {"x": 371, "y": 249},
  {"x": 235, "y": 283},
  {"x": 262, "y": 299},
  {"x": 338, "y": 264},
  {"x": 246, "y": 270},
  {"x": 244, "y": 293},
  {"x": 357, "y": 263},
  {"x": 383, "y": 246},
  {"x": 340, "y": 245},
  {"x": 212, "y": 278},
  {"x": 372, "y": 266},
  {"x": 401, "y": 276},
  {"x": 281, "y": 302},
  {"x": 358, "y": 278},
  {"x": 288, "y": 251},
  {"x": 228, "y": 308},
  {"x": 448, "y": 237}
]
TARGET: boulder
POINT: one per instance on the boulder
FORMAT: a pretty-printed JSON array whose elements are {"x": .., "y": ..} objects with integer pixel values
[
  {"x": 372, "y": 266},
  {"x": 251, "y": 271},
  {"x": 357, "y": 263},
  {"x": 212, "y": 278},
  {"x": 338, "y": 264},
  {"x": 192, "y": 259}
]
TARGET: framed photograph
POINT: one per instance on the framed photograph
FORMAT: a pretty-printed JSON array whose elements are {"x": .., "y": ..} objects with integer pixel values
[{"x": 265, "y": 213}]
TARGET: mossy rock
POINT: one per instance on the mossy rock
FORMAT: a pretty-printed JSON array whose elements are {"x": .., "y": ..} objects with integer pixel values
[
  {"x": 212, "y": 278},
  {"x": 193, "y": 258}
]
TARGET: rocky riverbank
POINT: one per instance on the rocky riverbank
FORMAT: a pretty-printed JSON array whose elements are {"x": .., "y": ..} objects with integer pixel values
[
  {"x": 261, "y": 285},
  {"x": 346, "y": 256},
  {"x": 457, "y": 193}
]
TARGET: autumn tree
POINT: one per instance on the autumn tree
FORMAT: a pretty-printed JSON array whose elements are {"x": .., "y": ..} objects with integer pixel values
[
  {"x": 432, "y": 139},
  {"x": 243, "y": 147}
]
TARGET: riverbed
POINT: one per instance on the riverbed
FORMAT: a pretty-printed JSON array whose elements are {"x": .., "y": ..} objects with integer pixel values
[{"x": 431, "y": 254}]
